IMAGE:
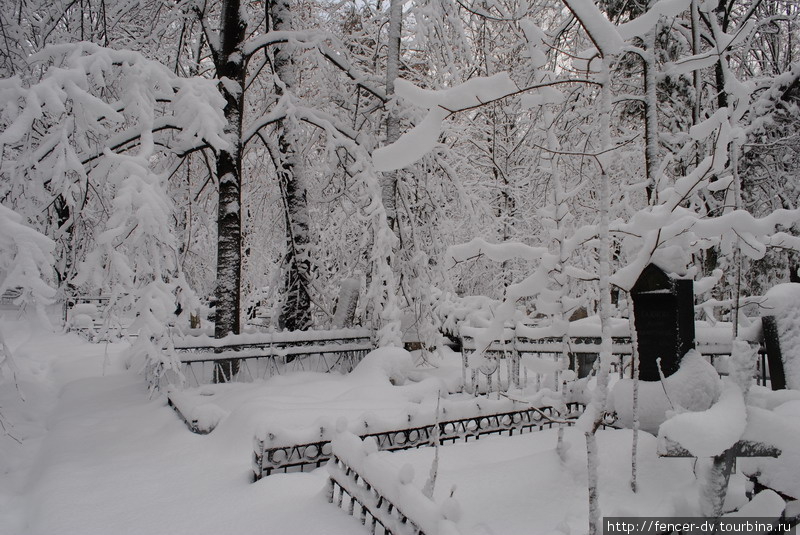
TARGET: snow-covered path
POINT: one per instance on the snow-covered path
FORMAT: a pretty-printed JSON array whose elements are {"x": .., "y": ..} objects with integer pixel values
[
  {"x": 119, "y": 463},
  {"x": 98, "y": 456}
]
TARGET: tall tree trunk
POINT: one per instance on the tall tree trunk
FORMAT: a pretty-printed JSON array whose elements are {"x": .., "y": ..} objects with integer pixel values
[
  {"x": 600, "y": 394},
  {"x": 230, "y": 65},
  {"x": 389, "y": 180},
  {"x": 386, "y": 314},
  {"x": 651, "y": 114},
  {"x": 296, "y": 310}
]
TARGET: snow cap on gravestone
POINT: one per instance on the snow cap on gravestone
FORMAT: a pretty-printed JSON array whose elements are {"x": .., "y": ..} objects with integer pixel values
[{"x": 672, "y": 260}]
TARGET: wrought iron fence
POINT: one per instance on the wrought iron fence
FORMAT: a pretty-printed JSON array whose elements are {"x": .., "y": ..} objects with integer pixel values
[
  {"x": 299, "y": 457},
  {"x": 373, "y": 507}
]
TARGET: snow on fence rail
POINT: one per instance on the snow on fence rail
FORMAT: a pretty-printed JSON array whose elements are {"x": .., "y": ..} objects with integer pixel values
[
  {"x": 273, "y": 455},
  {"x": 88, "y": 316},
  {"x": 10, "y": 296},
  {"x": 513, "y": 347},
  {"x": 261, "y": 339},
  {"x": 387, "y": 499},
  {"x": 499, "y": 369},
  {"x": 262, "y": 355}
]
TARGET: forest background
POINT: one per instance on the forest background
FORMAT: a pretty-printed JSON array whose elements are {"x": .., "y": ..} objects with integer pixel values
[{"x": 169, "y": 154}]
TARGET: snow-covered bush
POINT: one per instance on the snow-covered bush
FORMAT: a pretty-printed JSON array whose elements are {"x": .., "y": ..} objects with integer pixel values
[
  {"x": 26, "y": 262},
  {"x": 98, "y": 132},
  {"x": 694, "y": 387}
]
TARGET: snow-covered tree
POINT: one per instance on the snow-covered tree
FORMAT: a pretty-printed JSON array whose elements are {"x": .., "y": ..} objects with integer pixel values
[
  {"x": 26, "y": 263},
  {"x": 100, "y": 132}
]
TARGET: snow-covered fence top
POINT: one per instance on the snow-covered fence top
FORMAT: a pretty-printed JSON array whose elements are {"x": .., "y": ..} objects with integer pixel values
[
  {"x": 85, "y": 313},
  {"x": 482, "y": 367},
  {"x": 262, "y": 355},
  {"x": 710, "y": 339},
  {"x": 387, "y": 497},
  {"x": 188, "y": 343},
  {"x": 585, "y": 335},
  {"x": 498, "y": 365},
  {"x": 10, "y": 296},
  {"x": 461, "y": 420}
]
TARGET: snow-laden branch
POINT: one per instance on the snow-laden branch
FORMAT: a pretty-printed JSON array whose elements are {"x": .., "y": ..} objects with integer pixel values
[
  {"x": 603, "y": 33},
  {"x": 193, "y": 106},
  {"x": 341, "y": 61},
  {"x": 414, "y": 144},
  {"x": 646, "y": 21},
  {"x": 276, "y": 114},
  {"x": 498, "y": 252},
  {"x": 473, "y": 93},
  {"x": 276, "y": 37}
]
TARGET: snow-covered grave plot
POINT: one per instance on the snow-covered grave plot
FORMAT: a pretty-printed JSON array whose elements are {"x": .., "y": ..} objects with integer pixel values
[
  {"x": 384, "y": 386},
  {"x": 519, "y": 485},
  {"x": 293, "y": 417},
  {"x": 93, "y": 453}
]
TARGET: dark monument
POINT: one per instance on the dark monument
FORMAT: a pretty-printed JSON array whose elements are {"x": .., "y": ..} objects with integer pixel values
[
  {"x": 664, "y": 318},
  {"x": 777, "y": 375}
]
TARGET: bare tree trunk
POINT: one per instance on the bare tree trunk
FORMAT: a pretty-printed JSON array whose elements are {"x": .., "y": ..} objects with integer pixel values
[
  {"x": 387, "y": 317},
  {"x": 389, "y": 180},
  {"x": 296, "y": 310},
  {"x": 635, "y": 377},
  {"x": 346, "y": 304},
  {"x": 560, "y": 320},
  {"x": 229, "y": 172},
  {"x": 604, "y": 253},
  {"x": 595, "y": 523},
  {"x": 696, "y": 79},
  {"x": 651, "y": 114}
]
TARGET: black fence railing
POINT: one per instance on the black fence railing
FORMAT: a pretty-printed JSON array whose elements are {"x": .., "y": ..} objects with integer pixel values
[{"x": 268, "y": 459}]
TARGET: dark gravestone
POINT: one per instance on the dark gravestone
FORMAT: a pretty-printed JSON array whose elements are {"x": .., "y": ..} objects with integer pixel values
[
  {"x": 664, "y": 319},
  {"x": 777, "y": 376},
  {"x": 582, "y": 363}
]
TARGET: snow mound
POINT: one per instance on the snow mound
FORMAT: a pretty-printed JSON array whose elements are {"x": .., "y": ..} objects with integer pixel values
[
  {"x": 710, "y": 432},
  {"x": 790, "y": 409},
  {"x": 393, "y": 363},
  {"x": 205, "y": 417},
  {"x": 765, "y": 504},
  {"x": 783, "y": 432},
  {"x": 695, "y": 387},
  {"x": 765, "y": 398}
]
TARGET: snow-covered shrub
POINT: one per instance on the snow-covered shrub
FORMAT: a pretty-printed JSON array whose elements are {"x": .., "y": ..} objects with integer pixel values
[
  {"x": 26, "y": 262},
  {"x": 99, "y": 132},
  {"x": 694, "y": 387}
]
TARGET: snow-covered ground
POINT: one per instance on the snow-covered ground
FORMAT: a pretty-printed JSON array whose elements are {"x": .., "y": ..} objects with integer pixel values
[
  {"x": 518, "y": 485},
  {"x": 88, "y": 451},
  {"x": 97, "y": 455}
]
